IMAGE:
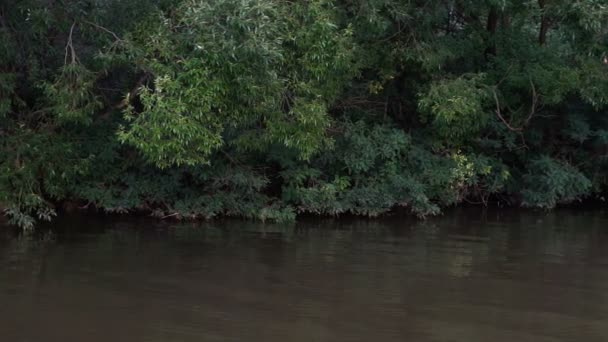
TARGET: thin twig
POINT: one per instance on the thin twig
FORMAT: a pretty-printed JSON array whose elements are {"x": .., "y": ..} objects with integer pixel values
[
  {"x": 399, "y": 30},
  {"x": 534, "y": 103},
  {"x": 86, "y": 206},
  {"x": 507, "y": 73},
  {"x": 230, "y": 159}
]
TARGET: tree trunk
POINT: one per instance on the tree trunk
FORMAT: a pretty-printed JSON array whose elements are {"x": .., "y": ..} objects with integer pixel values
[
  {"x": 544, "y": 23},
  {"x": 491, "y": 27}
]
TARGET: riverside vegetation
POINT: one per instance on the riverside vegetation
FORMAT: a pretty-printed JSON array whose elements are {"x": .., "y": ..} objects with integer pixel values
[{"x": 268, "y": 109}]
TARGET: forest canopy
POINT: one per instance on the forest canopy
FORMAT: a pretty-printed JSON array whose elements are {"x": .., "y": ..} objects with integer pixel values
[{"x": 269, "y": 109}]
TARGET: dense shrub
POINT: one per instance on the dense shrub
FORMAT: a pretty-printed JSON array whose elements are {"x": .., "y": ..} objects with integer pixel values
[{"x": 268, "y": 109}]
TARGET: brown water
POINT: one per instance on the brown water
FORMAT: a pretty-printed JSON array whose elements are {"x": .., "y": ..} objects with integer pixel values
[{"x": 468, "y": 276}]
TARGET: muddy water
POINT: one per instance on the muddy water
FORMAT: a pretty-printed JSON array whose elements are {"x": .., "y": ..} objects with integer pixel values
[{"x": 470, "y": 276}]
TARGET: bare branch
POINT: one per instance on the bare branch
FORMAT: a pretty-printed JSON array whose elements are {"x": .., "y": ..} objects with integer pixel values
[
  {"x": 499, "y": 114},
  {"x": 118, "y": 39},
  {"x": 69, "y": 47},
  {"x": 169, "y": 215},
  {"x": 533, "y": 107},
  {"x": 534, "y": 103}
]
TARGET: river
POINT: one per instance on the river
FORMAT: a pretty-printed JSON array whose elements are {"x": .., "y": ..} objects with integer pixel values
[{"x": 471, "y": 275}]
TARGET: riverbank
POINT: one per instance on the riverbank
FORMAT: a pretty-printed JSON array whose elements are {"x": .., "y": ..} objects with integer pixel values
[{"x": 400, "y": 214}]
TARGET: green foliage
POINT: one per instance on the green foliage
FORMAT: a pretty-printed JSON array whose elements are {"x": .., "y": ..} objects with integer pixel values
[
  {"x": 267, "y": 109},
  {"x": 228, "y": 64},
  {"x": 7, "y": 86},
  {"x": 37, "y": 170},
  {"x": 456, "y": 106},
  {"x": 71, "y": 97},
  {"x": 549, "y": 182},
  {"x": 174, "y": 127},
  {"x": 374, "y": 169}
]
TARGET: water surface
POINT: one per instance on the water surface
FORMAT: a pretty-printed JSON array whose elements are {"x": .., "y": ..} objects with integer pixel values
[{"x": 470, "y": 276}]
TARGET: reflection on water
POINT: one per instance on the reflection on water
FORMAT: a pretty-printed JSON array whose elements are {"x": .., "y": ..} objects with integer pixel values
[{"x": 468, "y": 276}]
